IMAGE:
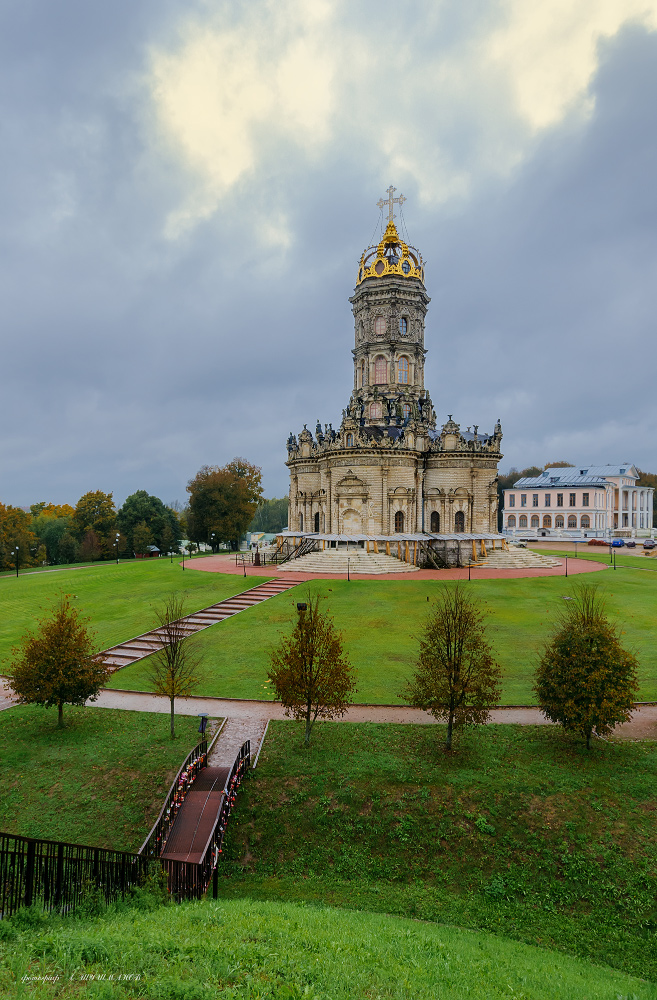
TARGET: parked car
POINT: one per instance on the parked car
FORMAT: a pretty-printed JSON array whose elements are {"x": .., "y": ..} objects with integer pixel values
[
  {"x": 649, "y": 543},
  {"x": 618, "y": 543},
  {"x": 596, "y": 541},
  {"x": 631, "y": 544}
]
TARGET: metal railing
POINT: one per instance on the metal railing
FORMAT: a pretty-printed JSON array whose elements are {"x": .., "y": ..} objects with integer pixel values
[
  {"x": 188, "y": 880},
  {"x": 157, "y": 838},
  {"x": 59, "y": 875}
]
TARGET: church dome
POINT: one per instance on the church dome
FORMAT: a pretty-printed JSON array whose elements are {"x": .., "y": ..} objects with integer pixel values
[{"x": 391, "y": 257}]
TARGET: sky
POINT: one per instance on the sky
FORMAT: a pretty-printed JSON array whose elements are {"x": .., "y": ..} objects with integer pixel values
[{"x": 186, "y": 187}]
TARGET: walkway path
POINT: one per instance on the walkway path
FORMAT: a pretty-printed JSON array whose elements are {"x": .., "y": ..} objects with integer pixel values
[
  {"x": 225, "y": 563},
  {"x": 143, "y": 645}
]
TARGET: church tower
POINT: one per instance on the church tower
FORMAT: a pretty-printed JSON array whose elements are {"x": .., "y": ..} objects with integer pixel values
[{"x": 387, "y": 474}]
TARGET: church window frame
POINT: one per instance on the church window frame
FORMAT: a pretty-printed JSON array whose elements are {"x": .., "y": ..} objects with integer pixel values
[
  {"x": 522, "y": 521},
  {"x": 403, "y": 326},
  {"x": 380, "y": 370},
  {"x": 399, "y": 521},
  {"x": 435, "y": 522},
  {"x": 406, "y": 411},
  {"x": 300, "y": 522},
  {"x": 317, "y": 522},
  {"x": 350, "y": 440},
  {"x": 403, "y": 370},
  {"x": 511, "y": 521},
  {"x": 558, "y": 521},
  {"x": 376, "y": 411},
  {"x": 459, "y": 522},
  {"x": 362, "y": 374},
  {"x": 547, "y": 520},
  {"x": 380, "y": 326}
]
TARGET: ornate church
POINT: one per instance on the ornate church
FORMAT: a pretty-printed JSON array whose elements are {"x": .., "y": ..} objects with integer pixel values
[{"x": 387, "y": 470}]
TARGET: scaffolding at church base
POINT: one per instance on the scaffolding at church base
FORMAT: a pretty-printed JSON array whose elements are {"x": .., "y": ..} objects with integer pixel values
[{"x": 426, "y": 550}]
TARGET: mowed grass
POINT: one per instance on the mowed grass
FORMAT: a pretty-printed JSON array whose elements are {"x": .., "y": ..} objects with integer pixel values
[
  {"x": 522, "y": 831},
  {"x": 380, "y": 621},
  {"x": 101, "y": 780},
  {"x": 246, "y": 950},
  {"x": 119, "y": 599}
]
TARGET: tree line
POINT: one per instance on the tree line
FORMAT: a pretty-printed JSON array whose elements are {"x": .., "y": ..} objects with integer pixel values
[{"x": 223, "y": 503}]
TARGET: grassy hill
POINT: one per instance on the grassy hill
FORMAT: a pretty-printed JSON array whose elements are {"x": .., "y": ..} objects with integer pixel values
[
  {"x": 522, "y": 832},
  {"x": 100, "y": 781},
  {"x": 245, "y": 950},
  {"x": 380, "y": 620}
]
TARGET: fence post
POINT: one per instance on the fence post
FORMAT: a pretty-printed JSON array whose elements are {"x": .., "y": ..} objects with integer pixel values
[
  {"x": 215, "y": 882},
  {"x": 59, "y": 874},
  {"x": 29, "y": 872}
]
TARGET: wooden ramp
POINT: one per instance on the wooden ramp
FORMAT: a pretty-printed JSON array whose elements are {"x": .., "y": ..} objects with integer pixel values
[
  {"x": 197, "y": 817},
  {"x": 143, "y": 645}
]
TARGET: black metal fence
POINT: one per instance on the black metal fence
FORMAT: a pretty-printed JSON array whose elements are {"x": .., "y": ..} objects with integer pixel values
[
  {"x": 59, "y": 876},
  {"x": 157, "y": 838}
]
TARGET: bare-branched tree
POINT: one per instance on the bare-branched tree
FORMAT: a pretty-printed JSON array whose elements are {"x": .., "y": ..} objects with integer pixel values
[{"x": 173, "y": 670}]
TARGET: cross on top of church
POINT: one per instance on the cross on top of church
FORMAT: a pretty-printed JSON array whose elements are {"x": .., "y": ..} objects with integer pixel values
[{"x": 390, "y": 202}]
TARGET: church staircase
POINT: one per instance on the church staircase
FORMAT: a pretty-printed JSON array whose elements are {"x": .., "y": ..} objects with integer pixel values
[
  {"x": 359, "y": 561},
  {"x": 517, "y": 558}
]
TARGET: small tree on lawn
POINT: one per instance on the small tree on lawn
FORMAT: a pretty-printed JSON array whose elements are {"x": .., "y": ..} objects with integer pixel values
[
  {"x": 585, "y": 680},
  {"x": 309, "y": 670},
  {"x": 57, "y": 665},
  {"x": 173, "y": 669},
  {"x": 457, "y": 678}
]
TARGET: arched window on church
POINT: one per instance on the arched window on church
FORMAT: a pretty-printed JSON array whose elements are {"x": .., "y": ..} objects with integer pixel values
[
  {"x": 362, "y": 373},
  {"x": 558, "y": 521},
  {"x": 435, "y": 522},
  {"x": 572, "y": 521},
  {"x": 399, "y": 521},
  {"x": 402, "y": 371},
  {"x": 380, "y": 370},
  {"x": 511, "y": 521},
  {"x": 547, "y": 521},
  {"x": 535, "y": 521},
  {"x": 300, "y": 522},
  {"x": 522, "y": 523},
  {"x": 406, "y": 410},
  {"x": 585, "y": 522},
  {"x": 379, "y": 327},
  {"x": 317, "y": 521},
  {"x": 375, "y": 411},
  {"x": 459, "y": 521},
  {"x": 403, "y": 326},
  {"x": 350, "y": 440}
]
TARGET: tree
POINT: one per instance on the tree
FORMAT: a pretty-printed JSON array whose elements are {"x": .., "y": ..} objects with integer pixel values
[
  {"x": 271, "y": 515},
  {"x": 57, "y": 665},
  {"x": 140, "y": 508},
  {"x": 457, "y": 678},
  {"x": 309, "y": 670},
  {"x": 95, "y": 512},
  {"x": 15, "y": 530},
  {"x": 173, "y": 669},
  {"x": 223, "y": 500},
  {"x": 142, "y": 537},
  {"x": 91, "y": 547},
  {"x": 585, "y": 680}
]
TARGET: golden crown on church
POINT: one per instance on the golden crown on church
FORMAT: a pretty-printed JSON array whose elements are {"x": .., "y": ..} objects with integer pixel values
[{"x": 391, "y": 256}]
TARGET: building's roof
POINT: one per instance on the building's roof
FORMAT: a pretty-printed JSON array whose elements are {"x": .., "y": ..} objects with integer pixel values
[
  {"x": 397, "y": 537},
  {"x": 152, "y": 548},
  {"x": 558, "y": 479}
]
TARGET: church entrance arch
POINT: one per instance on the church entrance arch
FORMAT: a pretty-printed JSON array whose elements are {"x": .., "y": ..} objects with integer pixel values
[{"x": 351, "y": 522}]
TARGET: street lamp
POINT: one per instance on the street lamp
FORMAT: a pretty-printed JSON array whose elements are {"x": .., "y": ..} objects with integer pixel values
[
  {"x": 212, "y": 541},
  {"x": 16, "y": 555},
  {"x": 116, "y": 546}
]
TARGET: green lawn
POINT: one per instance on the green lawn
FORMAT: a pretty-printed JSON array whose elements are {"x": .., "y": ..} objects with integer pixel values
[
  {"x": 380, "y": 621},
  {"x": 100, "y": 781},
  {"x": 118, "y": 599},
  {"x": 245, "y": 950},
  {"x": 522, "y": 831}
]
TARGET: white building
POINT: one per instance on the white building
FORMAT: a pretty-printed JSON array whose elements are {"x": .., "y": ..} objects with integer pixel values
[{"x": 595, "y": 501}]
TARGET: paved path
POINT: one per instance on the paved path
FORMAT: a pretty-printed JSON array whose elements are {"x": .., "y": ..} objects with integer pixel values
[
  {"x": 225, "y": 563},
  {"x": 236, "y": 731}
]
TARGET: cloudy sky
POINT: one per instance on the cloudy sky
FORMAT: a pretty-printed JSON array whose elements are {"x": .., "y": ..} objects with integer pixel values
[{"x": 186, "y": 187}]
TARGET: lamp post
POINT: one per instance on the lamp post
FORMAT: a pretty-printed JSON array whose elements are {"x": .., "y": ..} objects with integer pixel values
[
  {"x": 212, "y": 541},
  {"x": 16, "y": 555},
  {"x": 183, "y": 548},
  {"x": 116, "y": 546},
  {"x": 348, "y": 577}
]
